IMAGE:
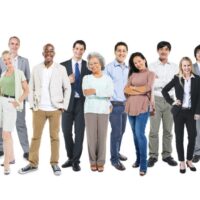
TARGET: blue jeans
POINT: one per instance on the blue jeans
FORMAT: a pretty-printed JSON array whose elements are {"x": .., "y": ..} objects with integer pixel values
[
  {"x": 138, "y": 125},
  {"x": 118, "y": 124}
]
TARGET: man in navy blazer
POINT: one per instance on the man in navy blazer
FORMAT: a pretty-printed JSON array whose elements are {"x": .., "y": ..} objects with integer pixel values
[
  {"x": 76, "y": 70},
  {"x": 22, "y": 64},
  {"x": 196, "y": 67}
]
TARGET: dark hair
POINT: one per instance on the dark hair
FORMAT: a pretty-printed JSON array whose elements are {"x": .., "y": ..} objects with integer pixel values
[
  {"x": 162, "y": 44},
  {"x": 197, "y": 48},
  {"x": 132, "y": 67},
  {"x": 121, "y": 44},
  {"x": 81, "y": 42}
]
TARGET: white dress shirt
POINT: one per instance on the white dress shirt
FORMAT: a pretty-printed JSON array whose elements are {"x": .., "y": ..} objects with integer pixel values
[
  {"x": 164, "y": 74},
  {"x": 187, "y": 93}
]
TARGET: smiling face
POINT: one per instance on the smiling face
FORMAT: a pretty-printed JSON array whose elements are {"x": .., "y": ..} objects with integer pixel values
[
  {"x": 186, "y": 67},
  {"x": 94, "y": 65},
  {"x": 14, "y": 45},
  {"x": 78, "y": 51},
  {"x": 163, "y": 53},
  {"x": 121, "y": 53},
  {"x": 48, "y": 53},
  {"x": 7, "y": 59},
  {"x": 139, "y": 63}
]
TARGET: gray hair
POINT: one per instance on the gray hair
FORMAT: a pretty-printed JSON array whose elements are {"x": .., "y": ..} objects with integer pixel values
[{"x": 99, "y": 57}]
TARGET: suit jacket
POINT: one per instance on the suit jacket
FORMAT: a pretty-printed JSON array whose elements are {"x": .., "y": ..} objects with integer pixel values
[
  {"x": 179, "y": 91},
  {"x": 84, "y": 71},
  {"x": 23, "y": 65},
  {"x": 196, "y": 69},
  {"x": 59, "y": 87}
]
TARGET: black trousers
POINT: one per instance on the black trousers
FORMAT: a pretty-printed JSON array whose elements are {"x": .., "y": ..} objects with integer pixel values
[
  {"x": 74, "y": 142},
  {"x": 185, "y": 117}
]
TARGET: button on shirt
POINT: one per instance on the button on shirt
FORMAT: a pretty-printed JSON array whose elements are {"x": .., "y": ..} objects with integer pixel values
[
  {"x": 187, "y": 93},
  {"x": 45, "y": 102},
  {"x": 164, "y": 74},
  {"x": 73, "y": 69},
  {"x": 119, "y": 75},
  {"x": 15, "y": 62}
]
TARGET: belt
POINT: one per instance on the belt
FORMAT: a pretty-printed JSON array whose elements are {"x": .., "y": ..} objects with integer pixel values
[
  {"x": 8, "y": 96},
  {"x": 186, "y": 108},
  {"x": 118, "y": 103}
]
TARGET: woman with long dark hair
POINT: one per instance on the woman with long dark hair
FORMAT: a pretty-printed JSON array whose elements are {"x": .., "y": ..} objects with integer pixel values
[{"x": 139, "y": 104}]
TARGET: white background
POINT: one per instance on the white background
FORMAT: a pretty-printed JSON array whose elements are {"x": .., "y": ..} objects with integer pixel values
[{"x": 141, "y": 24}]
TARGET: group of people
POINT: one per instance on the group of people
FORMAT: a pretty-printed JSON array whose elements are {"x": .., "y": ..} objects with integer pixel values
[{"x": 90, "y": 94}]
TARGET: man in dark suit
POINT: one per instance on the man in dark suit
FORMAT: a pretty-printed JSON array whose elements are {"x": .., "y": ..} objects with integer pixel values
[
  {"x": 76, "y": 69},
  {"x": 196, "y": 67},
  {"x": 22, "y": 64}
]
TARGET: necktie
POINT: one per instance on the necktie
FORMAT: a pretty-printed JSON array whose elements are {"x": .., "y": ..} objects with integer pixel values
[{"x": 77, "y": 79}]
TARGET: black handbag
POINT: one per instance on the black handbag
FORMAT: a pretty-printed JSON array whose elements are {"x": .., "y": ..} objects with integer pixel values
[{"x": 175, "y": 110}]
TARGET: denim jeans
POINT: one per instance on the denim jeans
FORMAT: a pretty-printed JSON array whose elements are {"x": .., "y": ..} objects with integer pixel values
[
  {"x": 138, "y": 125},
  {"x": 118, "y": 124}
]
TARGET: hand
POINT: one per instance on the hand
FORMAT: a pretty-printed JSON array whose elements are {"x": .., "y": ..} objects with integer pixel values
[
  {"x": 88, "y": 92},
  {"x": 128, "y": 90},
  {"x": 196, "y": 117},
  {"x": 71, "y": 78},
  {"x": 15, "y": 104},
  {"x": 177, "y": 102}
]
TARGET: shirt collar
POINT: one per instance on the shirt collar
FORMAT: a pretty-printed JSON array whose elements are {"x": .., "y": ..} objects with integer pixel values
[
  {"x": 192, "y": 76},
  {"x": 160, "y": 63},
  {"x": 74, "y": 61},
  {"x": 117, "y": 64}
]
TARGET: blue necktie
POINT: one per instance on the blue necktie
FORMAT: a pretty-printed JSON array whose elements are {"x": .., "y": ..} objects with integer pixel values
[{"x": 77, "y": 79}]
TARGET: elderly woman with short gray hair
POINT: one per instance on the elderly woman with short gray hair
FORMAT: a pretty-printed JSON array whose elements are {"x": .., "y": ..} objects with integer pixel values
[{"x": 97, "y": 88}]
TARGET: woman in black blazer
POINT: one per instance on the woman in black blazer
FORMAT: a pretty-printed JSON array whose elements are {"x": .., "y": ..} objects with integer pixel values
[{"x": 185, "y": 109}]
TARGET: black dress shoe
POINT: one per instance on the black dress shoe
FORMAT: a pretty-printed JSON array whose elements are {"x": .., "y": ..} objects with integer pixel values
[
  {"x": 26, "y": 155},
  {"x": 152, "y": 161},
  {"x": 1, "y": 153},
  {"x": 135, "y": 164},
  {"x": 170, "y": 161},
  {"x": 119, "y": 166},
  {"x": 76, "y": 167},
  {"x": 182, "y": 170},
  {"x": 196, "y": 158},
  {"x": 122, "y": 157},
  {"x": 192, "y": 168},
  {"x": 68, "y": 163}
]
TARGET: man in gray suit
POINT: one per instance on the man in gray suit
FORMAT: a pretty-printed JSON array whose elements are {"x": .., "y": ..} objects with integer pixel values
[
  {"x": 22, "y": 64},
  {"x": 196, "y": 67}
]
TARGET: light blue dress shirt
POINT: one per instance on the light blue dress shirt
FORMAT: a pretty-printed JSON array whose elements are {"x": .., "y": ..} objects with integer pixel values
[{"x": 119, "y": 75}]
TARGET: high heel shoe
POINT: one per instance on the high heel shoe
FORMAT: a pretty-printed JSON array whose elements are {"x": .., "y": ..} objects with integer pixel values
[
  {"x": 192, "y": 168},
  {"x": 6, "y": 171},
  {"x": 182, "y": 170}
]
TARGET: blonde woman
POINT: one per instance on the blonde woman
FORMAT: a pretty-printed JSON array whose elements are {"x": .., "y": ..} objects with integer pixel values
[
  {"x": 185, "y": 110},
  {"x": 13, "y": 91}
]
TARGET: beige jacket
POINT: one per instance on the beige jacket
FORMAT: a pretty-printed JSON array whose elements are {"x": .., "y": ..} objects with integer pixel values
[
  {"x": 19, "y": 77},
  {"x": 59, "y": 88}
]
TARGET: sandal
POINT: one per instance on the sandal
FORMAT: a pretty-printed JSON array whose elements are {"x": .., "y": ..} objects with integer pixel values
[
  {"x": 100, "y": 168},
  {"x": 93, "y": 168}
]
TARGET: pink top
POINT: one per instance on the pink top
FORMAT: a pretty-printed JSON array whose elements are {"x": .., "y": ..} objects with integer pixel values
[{"x": 137, "y": 104}]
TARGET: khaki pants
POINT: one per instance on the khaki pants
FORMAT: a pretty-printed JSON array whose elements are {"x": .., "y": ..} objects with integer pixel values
[
  {"x": 39, "y": 119},
  {"x": 163, "y": 112}
]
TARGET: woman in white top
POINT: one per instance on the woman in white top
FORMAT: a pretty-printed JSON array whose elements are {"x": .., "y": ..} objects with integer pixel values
[{"x": 98, "y": 88}]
